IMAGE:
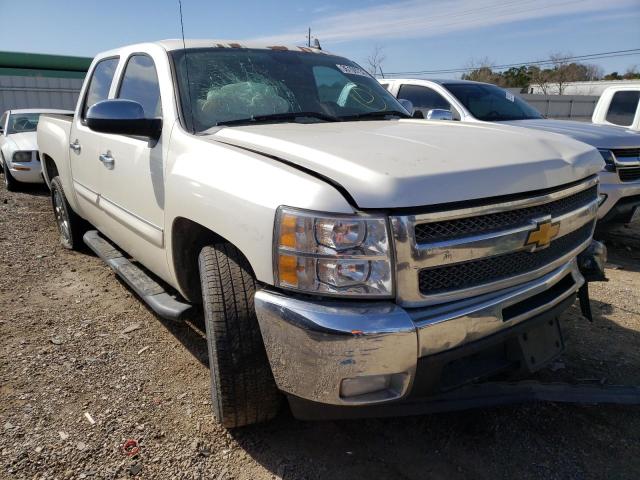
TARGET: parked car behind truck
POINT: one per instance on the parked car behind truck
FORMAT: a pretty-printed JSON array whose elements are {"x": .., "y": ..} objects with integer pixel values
[
  {"x": 19, "y": 159},
  {"x": 619, "y": 105},
  {"x": 475, "y": 101},
  {"x": 344, "y": 254}
]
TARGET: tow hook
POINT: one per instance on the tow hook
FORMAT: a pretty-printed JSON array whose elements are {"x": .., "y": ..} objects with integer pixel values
[{"x": 591, "y": 264}]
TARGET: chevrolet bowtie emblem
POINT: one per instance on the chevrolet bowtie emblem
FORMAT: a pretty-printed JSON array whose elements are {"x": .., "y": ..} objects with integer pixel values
[{"x": 543, "y": 234}]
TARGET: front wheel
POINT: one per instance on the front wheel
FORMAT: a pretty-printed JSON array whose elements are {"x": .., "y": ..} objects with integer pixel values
[
  {"x": 70, "y": 225},
  {"x": 243, "y": 390},
  {"x": 10, "y": 183}
]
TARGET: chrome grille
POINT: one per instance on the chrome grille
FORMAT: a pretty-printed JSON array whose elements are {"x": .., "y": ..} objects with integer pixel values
[
  {"x": 450, "y": 229},
  {"x": 456, "y": 254},
  {"x": 470, "y": 274},
  {"x": 626, "y": 152},
  {"x": 629, "y": 174}
]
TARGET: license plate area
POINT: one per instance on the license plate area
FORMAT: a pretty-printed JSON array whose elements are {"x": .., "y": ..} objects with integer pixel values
[{"x": 540, "y": 344}]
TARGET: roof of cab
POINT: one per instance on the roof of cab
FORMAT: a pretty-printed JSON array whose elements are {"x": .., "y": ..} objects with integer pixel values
[
  {"x": 177, "y": 44},
  {"x": 439, "y": 81}
]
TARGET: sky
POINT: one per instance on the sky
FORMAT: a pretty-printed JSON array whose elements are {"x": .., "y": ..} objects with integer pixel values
[{"x": 414, "y": 35}]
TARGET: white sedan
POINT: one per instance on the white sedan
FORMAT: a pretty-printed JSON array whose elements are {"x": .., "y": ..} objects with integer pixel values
[{"x": 19, "y": 156}]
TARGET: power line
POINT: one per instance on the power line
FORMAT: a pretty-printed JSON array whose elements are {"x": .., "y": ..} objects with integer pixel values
[{"x": 591, "y": 56}]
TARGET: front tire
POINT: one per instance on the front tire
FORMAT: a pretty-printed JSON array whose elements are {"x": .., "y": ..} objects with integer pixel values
[
  {"x": 70, "y": 225},
  {"x": 243, "y": 390},
  {"x": 10, "y": 183}
]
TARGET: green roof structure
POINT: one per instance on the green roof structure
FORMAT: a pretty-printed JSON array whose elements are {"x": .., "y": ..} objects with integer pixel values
[{"x": 43, "y": 65}]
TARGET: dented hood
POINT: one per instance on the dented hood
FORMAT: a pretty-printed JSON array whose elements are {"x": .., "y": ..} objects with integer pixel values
[{"x": 408, "y": 163}]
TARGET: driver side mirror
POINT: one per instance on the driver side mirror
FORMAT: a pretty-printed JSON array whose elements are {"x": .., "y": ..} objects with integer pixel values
[
  {"x": 439, "y": 114},
  {"x": 124, "y": 117}
]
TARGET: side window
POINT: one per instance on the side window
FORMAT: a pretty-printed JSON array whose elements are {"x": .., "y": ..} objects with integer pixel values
[
  {"x": 100, "y": 83},
  {"x": 423, "y": 98},
  {"x": 623, "y": 108},
  {"x": 385, "y": 86},
  {"x": 140, "y": 84}
]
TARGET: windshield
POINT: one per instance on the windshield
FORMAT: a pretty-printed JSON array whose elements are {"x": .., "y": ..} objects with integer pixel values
[
  {"x": 22, "y": 122},
  {"x": 232, "y": 85},
  {"x": 491, "y": 103}
]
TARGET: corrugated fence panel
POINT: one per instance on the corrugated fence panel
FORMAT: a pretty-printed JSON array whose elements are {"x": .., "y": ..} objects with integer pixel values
[
  {"x": 573, "y": 107},
  {"x": 38, "y": 92}
]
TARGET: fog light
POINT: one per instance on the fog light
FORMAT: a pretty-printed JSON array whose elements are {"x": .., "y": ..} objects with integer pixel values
[
  {"x": 602, "y": 199},
  {"x": 352, "y": 387},
  {"x": 374, "y": 388}
]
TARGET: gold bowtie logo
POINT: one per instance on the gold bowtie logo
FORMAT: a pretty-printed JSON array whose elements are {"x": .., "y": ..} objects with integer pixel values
[{"x": 543, "y": 234}]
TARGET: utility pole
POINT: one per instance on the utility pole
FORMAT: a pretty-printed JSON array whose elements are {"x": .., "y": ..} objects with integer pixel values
[{"x": 309, "y": 38}]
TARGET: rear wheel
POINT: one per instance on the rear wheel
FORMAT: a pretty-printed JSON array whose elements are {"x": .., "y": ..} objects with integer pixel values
[
  {"x": 10, "y": 183},
  {"x": 243, "y": 390},
  {"x": 70, "y": 225}
]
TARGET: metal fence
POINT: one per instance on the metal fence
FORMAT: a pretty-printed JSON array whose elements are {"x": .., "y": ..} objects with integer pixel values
[
  {"x": 566, "y": 107},
  {"x": 38, "y": 92}
]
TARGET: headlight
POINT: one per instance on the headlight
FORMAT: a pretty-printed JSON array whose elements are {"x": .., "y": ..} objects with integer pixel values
[
  {"x": 332, "y": 254},
  {"x": 609, "y": 159},
  {"x": 22, "y": 156}
]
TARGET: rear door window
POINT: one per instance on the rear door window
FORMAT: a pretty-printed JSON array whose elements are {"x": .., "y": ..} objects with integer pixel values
[
  {"x": 623, "y": 108},
  {"x": 100, "y": 83}
]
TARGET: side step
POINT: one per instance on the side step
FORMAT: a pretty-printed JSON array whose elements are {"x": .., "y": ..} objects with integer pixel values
[{"x": 148, "y": 289}]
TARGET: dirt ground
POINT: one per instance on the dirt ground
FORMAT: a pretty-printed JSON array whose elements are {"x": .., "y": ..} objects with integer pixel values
[{"x": 84, "y": 366}]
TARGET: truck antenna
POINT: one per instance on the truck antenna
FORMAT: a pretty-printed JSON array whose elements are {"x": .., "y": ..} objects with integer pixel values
[{"x": 186, "y": 65}]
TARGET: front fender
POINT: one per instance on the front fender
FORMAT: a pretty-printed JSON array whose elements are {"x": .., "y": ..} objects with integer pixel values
[{"x": 235, "y": 194}]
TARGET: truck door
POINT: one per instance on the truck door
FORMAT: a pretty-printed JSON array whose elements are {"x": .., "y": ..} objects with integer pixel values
[
  {"x": 132, "y": 171},
  {"x": 84, "y": 143}
]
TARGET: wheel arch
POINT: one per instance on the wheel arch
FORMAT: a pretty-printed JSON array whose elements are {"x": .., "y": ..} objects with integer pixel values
[
  {"x": 49, "y": 168},
  {"x": 187, "y": 240}
]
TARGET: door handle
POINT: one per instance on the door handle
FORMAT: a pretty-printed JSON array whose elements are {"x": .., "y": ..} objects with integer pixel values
[
  {"x": 107, "y": 160},
  {"x": 75, "y": 146}
]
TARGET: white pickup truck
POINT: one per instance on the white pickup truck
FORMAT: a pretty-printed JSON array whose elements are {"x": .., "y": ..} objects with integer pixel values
[
  {"x": 482, "y": 102},
  {"x": 344, "y": 254},
  {"x": 619, "y": 105}
]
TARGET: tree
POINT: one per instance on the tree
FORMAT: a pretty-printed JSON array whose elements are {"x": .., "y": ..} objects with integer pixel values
[
  {"x": 519, "y": 77},
  {"x": 563, "y": 70},
  {"x": 375, "y": 60},
  {"x": 631, "y": 73},
  {"x": 612, "y": 76},
  {"x": 481, "y": 71},
  {"x": 541, "y": 77}
]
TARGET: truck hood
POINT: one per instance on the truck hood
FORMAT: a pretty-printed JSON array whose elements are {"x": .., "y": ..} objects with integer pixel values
[
  {"x": 24, "y": 141},
  {"x": 409, "y": 163},
  {"x": 599, "y": 136}
]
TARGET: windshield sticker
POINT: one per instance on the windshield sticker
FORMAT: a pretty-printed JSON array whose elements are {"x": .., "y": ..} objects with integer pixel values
[
  {"x": 510, "y": 96},
  {"x": 349, "y": 70}
]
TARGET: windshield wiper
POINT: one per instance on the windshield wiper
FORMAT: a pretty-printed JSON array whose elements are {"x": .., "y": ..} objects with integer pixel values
[
  {"x": 374, "y": 115},
  {"x": 289, "y": 116}
]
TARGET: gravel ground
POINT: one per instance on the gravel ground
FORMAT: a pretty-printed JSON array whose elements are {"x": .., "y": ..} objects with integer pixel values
[{"x": 84, "y": 366}]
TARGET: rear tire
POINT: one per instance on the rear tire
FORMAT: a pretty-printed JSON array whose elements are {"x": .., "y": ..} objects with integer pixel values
[
  {"x": 70, "y": 225},
  {"x": 10, "y": 183},
  {"x": 243, "y": 390}
]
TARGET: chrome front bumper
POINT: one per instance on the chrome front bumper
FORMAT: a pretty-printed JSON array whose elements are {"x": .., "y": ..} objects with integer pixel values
[
  {"x": 315, "y": 346},
  {"x": 614, "y": 191}
]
